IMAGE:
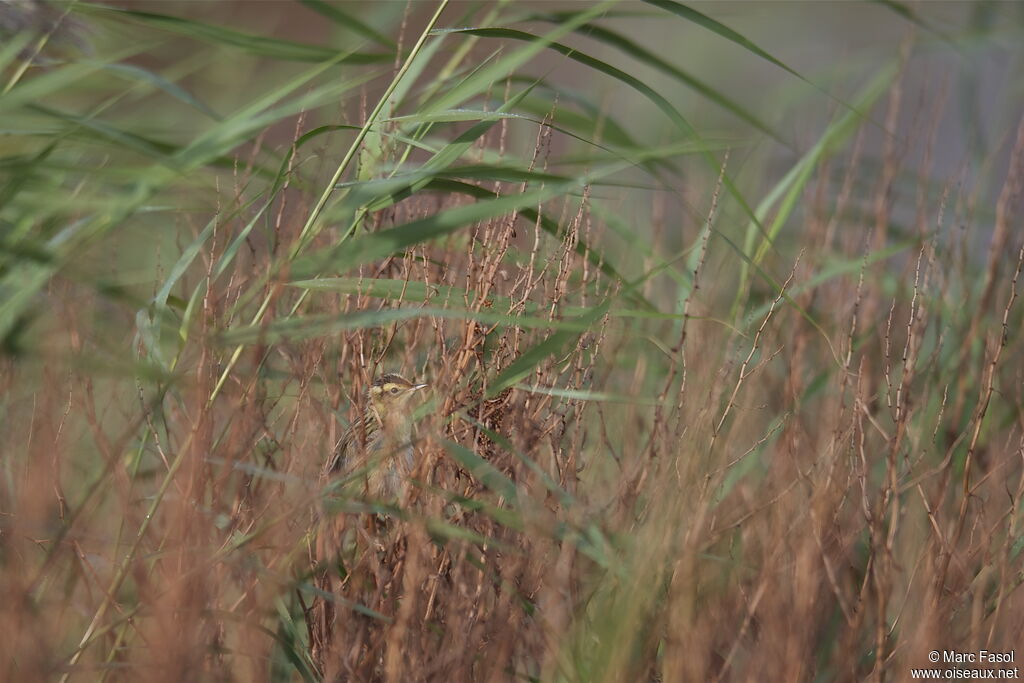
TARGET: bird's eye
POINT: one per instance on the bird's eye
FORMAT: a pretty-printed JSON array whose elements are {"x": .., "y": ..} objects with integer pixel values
[{"x": 394, "y": 390}]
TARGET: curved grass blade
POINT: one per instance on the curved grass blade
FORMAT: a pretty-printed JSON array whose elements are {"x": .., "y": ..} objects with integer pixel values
[
  {"x": 903, "y": 10},
  {"x": 263, "y": 46},
  {"x": 260, "y": 113},
  {"x": 351, "y": 253},
  {"x": 481, "y": 470},
  {"x": 147, "y": 321},
  {"x": 838, "y": 269},
  {"x": 13, "y": 45},
  {"x": 788, "y": 190},
  {"x": 324, "y": 130},
  {"x": 307, "y": 587},
  {"x": 124, "y": 139},
  {"x": 223, "y": 262},
  {"x": 594, "y": 255},
  {"x": 435, "y": 166},
  {"x": 777, "y": 287},
  {"x": 592, "y": 62},
  {"x": 289, "y": 640},
  {"x": 58, "y": 80},
  {"x": 137, "y": 73},
  {"x": 724, "y": 31},
  {"x": 483, "y": 79},
  {"x": 298, "y": 328},
  {"x": 364, "y": 248},
  {"x": 643, "y": 55},
  {"x": 656, "y": 98},
  {"x": 313, "y": 224},
  {"x": 550, "y": 484},
  {"x": 21, "y": 283},
  {"x": 22, "y": 172},
  {"x": 523, "y": 366},
  {"x": 349, "y": 21},
  {"x": 161, "y": 151},
  {"x": 453, "y": 150},
  {"x": 376, "y": 146},
  {"x": 586, "y": 124}
]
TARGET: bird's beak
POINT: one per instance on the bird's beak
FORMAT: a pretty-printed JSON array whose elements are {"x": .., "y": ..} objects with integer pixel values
[{"x": 417, "y": 387}]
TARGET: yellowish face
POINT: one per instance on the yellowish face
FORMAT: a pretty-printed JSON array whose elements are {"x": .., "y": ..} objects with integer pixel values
[{"x": 390, "y": 391}]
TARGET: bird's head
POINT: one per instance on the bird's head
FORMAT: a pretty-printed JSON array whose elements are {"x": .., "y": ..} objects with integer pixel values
[{"x": 389, "y": 394}]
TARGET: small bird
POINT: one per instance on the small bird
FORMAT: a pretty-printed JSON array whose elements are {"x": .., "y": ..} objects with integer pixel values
[
  {"x": 379, "y": 449},
  {"x": 381, "y": 443}
]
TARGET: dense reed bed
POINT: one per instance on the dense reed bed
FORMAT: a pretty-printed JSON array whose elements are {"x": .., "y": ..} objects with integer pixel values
[{"x": 721, "y": 387}]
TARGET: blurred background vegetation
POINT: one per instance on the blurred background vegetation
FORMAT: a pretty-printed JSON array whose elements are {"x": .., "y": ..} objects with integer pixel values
[{"x": 718, "y": 303}]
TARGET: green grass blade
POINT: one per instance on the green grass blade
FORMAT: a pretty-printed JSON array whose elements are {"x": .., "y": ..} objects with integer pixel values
[
  {"x": 481, "y": 470},
  {"x": 722, "y": 30},
  {"x": 788, "y": 190},
  {"x": 484, "y": 78},
  {"x": 137, "y": 73},
  {"x": 349, "y": 21},
  {"x": 296, "y": 328},
  {"x": 645, "y": 56},
  {"x": 576, "y": 55},
  {"x": 263, "y": 46},
  {"x": 523, "y": 366},
  {"x": 364, "y": 248}
]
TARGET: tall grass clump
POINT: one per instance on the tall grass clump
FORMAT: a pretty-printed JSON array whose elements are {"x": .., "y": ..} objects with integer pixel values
[{"x": 721, "y": 321}]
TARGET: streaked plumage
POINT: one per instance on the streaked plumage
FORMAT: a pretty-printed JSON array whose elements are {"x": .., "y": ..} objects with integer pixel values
[
  {"x": 379, "y": 448},
  {"x": 381, "y": 444}
]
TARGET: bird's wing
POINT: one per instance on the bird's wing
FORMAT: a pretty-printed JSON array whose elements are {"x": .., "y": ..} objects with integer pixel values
[{"x": 348, "y": 444}]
